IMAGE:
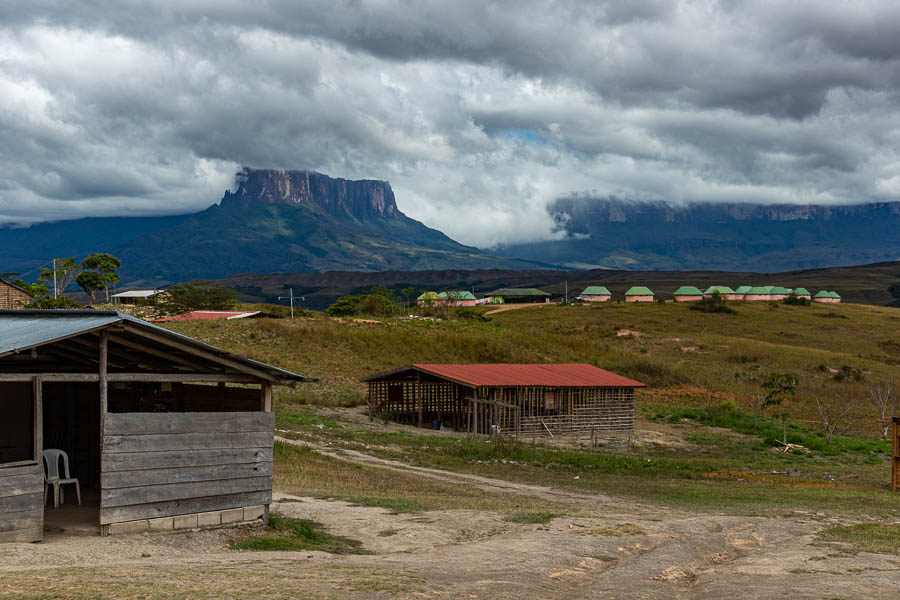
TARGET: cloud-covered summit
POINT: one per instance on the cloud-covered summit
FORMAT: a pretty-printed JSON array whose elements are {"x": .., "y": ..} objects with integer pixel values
[{"x": 479, "y": 113}]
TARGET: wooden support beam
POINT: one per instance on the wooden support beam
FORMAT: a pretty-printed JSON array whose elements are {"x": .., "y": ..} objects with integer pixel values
[
  {"x": 38, "y": 388},
  {"x": 202, "y": 353},
  {"x": 265, "y": 397},
  {"x": 168, "y": 356},
  {"x": 419, "y": 397},
  {"x": 143, "y": 377},
  {"x": 104, "y": 387}
]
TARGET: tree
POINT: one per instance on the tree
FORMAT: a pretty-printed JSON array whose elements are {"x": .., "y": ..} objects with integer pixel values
[
  {"x": 105, "y": 265},
  {"x": 780, "y": 387},
  {"x": 41, "y": 296},
  {"x": 407, "y": 292},
  {"x": 831, "y": 414},
  {"x": 90, "y": 282},
  {"x": 880, "y": 393},
  {"x": 196, "y": 295},
  {"x": 61, "y": 275}
]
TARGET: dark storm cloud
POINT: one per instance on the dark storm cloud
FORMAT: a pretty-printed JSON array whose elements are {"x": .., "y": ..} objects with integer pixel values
[{"x": 495, "y": 108}]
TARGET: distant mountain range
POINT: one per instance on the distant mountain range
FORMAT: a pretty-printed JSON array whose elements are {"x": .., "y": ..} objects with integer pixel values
[
  {"x": 302, "y": 222},
  {"x": 275, "y": 221},
  {"x": 612, "y": 233}
]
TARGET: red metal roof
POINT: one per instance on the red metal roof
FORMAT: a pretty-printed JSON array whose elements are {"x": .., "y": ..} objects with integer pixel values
[
  {"x": 209, "y": 315},
  {"x": 551, "y": 375}
]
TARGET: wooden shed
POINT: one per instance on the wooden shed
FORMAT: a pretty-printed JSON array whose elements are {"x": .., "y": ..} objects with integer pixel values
[
  {"x": 12, "y": 297},
  {"x": 154, "y": 425},
  {"x": 505, "y": 398}
]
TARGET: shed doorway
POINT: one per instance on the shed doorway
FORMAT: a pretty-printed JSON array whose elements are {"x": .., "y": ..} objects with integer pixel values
[{"x": 71, "y": 415}]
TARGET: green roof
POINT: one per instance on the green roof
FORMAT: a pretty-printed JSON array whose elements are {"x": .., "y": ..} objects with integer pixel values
[
  {"x": 595, "y": 290},
  {"x": 757, "y": 291},
  {"x": 768, "y": 288},
  {"x": 800, "y": 292},
  {"x": 823, "y": 294},
  {"x": 639, "y": 290},
  {"x": 722, "y": 289},
  {"x": 742, "y": 289},
  {"x": 429, "y": 296},
  {"x": 687, "y": 290},
  {"x": 518, "y": 292},
  {"x": 463, "y": 295},
  {"x": 835, "y": 295}
]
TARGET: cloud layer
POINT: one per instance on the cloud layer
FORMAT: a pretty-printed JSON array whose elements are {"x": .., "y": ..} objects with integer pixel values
[{"x": 478, "y": 113}]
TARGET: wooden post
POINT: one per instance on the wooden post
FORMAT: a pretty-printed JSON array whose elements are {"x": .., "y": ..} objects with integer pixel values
[
  {"x": 265, "y": 397},
  {"x": 419, "y": 397},
  {"x": 38, "y": 395},
  {"x": 895, "y": 461},
  {"x": 104, "y": 390}
]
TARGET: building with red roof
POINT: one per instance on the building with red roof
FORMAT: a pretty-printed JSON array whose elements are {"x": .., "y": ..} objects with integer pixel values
[{"x": 506, "y": 398}]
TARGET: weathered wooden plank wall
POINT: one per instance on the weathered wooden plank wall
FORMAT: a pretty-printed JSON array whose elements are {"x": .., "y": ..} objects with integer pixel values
[
  {"x": 22, "y": 503},
  {"x": 166, "y": 464}
]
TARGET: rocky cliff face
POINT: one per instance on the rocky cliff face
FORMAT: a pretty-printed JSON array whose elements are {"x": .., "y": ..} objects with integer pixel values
[{"x": 364, "y": 199}]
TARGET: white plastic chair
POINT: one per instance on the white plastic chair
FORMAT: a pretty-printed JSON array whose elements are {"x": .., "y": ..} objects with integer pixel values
[{"x": 52, "y": 477}]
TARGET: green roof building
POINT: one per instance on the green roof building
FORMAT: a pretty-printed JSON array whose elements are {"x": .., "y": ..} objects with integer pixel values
[
  {"x": 800, "y": 292},
  {"x": 687, "y": 291},
  {"x": 429, "y": 297},
  {"x": 639, "y": 293},
  {"x": 463, "y": 295},
  {"x": 743, "y": 289},
  {"x": 595, "y": 290},
  {"x": 722, "y": 289},
  {"x": 520, "y": 295}
]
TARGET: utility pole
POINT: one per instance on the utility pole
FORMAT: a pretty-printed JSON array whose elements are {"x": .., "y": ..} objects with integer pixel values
[
  {"x": 291, "y": 297},
  {"x": 567, "y": 292},
  {"x": 55, "y": 292}
]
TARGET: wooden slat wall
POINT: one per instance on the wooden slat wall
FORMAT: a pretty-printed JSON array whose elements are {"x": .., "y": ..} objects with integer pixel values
[
  {"x": 22, "y": 503},
  {"x": 895, "y": 461},
  {"x": 166, "y": 464}
]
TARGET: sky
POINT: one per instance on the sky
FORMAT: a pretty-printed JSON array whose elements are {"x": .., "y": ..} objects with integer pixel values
[{"x": 480, "y": 114}]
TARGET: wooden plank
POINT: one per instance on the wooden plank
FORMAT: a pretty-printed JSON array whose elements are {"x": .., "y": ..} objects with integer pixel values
[
  {"x": 168, "y": 356},
  {"x": 21, "y": 484},
  {"x": 38, "y": 392},
  {"x": 133, "y": 461},
  {"x": 66, "y": 377},
  {"x": 191, "y": 422},
  {"x": 104, "y": 385},
  {"x": 147, "y": 494},
  {"x": 149, "y": 477},
  {"x": 31, "y": 468},
  {"x": 22, "y": 520},
  {"x": 119, "y": 514},
  {"x": 32, "y": 534},
  {"x": 23, "y": 502},
  {"x": 187, "y": 441},
  {"x": 265, "y": 400},
  {"x": 182, "y": 377}
]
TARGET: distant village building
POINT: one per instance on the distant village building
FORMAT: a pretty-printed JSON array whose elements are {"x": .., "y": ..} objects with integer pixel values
[
  {"x": 428, "y": 299},
  {"x": 136, "y": 296},
  {"x": 725, "y": 293},
  {"x": 741, "y": 291},
  {"x": 505, "y": 398},
  {"x": 519, "y": 295},
  {"x": 639, "y": 293},
  {"x": 757, "y": 293},
  {"x": 462, "y": 298},
  {"x": 778, "y": 293},
  {"x": 687, "y": 293},
  {"x": 12, "y": 297},
  {"x": 801, "y": 293},
  {"x": 595, "y": 293},
  {"x": 827, "y": 297}
]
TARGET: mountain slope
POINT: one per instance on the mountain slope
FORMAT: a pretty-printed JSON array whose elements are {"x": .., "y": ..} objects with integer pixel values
[
  {"x": 748, "y": 237},
  {"x": 298, "y": 221}
]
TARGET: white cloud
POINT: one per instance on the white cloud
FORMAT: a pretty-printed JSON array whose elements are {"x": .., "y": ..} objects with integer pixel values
[{"x": 479, "y": 113}]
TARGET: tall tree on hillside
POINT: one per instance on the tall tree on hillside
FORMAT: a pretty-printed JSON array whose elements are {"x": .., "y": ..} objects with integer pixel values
[
  {"x": 61, "y": 275},
  {"x": 105, "y": 266},
  {"x": 780, "y": 387},
  {"x": 90, "y": 282}
]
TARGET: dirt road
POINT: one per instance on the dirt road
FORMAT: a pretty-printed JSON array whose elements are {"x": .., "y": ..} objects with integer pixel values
[{"x": 630, "y": 551}]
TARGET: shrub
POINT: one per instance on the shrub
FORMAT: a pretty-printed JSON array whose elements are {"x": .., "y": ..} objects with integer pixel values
[
  {"x": 714, "y": 304},
  {"x": 797, "y": 301}
]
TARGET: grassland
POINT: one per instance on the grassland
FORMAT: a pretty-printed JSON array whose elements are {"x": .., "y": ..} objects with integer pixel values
[{"x": 703, "y": 372}]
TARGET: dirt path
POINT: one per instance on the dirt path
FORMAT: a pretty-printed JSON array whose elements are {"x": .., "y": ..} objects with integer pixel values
[
  {"x": 624, "y": 551},
  {"x": 506, "y": 307}
]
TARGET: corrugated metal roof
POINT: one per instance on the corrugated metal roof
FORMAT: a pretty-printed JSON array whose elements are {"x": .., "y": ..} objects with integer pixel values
[
  {"x": 463, "y": 295},
  {"x": 26, "y": 329},
  {"x": 511, "y": 375},
  {"x": 722, "y": 289},
  {"x": 210, "y": 315},
  {"x": 137, "y": 294},
  {"x": 639, "y": 290},
  {"x": 595, "y": 290}
]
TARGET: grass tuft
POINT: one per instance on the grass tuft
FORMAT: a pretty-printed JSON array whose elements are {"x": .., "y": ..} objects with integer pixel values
[
  {"x": 532, "y": 518},
  {"x": 286, "y": 534},
  {"x": 879, "y": 538}
]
